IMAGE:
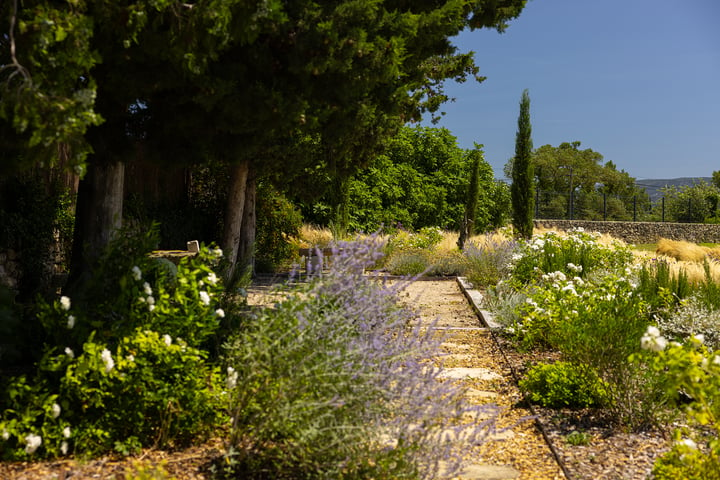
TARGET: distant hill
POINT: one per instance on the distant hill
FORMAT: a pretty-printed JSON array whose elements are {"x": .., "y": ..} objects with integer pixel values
[{"x": 652, "y": 186}]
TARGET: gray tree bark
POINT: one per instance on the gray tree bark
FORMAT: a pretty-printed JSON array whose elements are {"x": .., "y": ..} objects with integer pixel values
[
  {"x": 234, "y": 214},
  {"x": 98, "y": 217}
]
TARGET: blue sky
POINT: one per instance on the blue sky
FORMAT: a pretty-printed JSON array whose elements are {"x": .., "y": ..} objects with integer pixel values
[{"x": 635, "y": 80}]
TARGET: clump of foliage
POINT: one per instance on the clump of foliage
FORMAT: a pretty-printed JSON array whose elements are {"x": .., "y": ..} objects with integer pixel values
[
  {"x": 124, "y": 363},
  {"x": 695, "y": 370},
  {"x": 430, "y": 251},
  {"x": 278, "y": 222},
  {"x": 563, "y": 385},
  {"x": 696, "y": 203},
  {"x": 699, "y": 313},
  {"x": 662, "y": 288},
  {"x": 576, "y": 253},
  {"x": 589, "y": 310},
  {"x": 488, "y": 261},
  {"x": 331, "y": 383}
]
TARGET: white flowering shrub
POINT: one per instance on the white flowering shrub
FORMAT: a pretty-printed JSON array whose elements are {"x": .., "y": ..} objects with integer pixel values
[
  {"x": 694, "y": 369},
  {"x": 150, "y": 389},
  {"x": 125, "y": 359},
  {"x": 575, "y": 254}
]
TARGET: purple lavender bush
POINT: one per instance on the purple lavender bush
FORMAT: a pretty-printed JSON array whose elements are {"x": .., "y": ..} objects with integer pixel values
[{"x": 334, "y": 383}]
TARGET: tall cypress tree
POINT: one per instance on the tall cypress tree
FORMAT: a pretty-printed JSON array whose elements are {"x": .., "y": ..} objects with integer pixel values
[
  {"x": 471, "y": 202},
  {"x": 523, "y": 189}
]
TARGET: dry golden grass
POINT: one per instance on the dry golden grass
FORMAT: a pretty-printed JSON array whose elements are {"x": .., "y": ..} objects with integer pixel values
[
  {"x": 448, "y": 242},
  {"x": 695, "y": 271},
  {"x": 681, "y": 250},
  {"x": 313, "y": 236}
]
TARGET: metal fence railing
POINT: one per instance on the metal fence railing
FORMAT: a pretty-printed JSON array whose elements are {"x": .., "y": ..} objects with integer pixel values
[{"x": 580, "y": 205}]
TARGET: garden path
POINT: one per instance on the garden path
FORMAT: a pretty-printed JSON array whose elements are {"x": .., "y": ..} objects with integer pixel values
[{"x": 470, "y": 355}]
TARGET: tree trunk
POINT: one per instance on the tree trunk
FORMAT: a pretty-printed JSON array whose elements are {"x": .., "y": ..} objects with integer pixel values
[
  {"x": 234, "y": 214},
  {"x": 246, "y": 253},
  {"x": 98, "y": 217}
]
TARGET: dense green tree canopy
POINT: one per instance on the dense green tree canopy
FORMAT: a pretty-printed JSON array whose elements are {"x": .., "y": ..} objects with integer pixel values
[
  {"x": 420, "y": 180},
  {"x": 598, "y": 188},
  {"x": 234, "y": 80},
  {"x": 237, "y": 73},
  {"x": 698, "y": 203}
]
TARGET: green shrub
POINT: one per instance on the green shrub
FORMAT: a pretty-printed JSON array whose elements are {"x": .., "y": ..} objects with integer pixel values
[
  {"x": 563, "y": 385},
  {"x": 111, "y": 375},
  {"x": 447, "y": 263},
  {"x": 408, "y": 261},
  {"x": 152, "y": 390},
  {"x": 662, "y": 289},
  {"x": 489, "y": 263},
  {"x": 277, "y": 222},
  {"x": 695, "y": 370}
]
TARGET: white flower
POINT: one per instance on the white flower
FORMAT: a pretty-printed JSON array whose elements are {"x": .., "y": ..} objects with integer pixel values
[
  {"x": 574, "y": 268},
  {"x": 151, "y": 307},
  {"x": 569, "y": 288},
  {"x": 56, "y": 410},
  {"x": 67, "y": 432},
  {"x": 69, "y": 352},
  {"x": 218, "y": 252},
  {"x": 204, "y": 298},
  {"x": 32, "y": 442},
  {"x": 558, "y": 276},
  {"x": 716, "y": 360},
  {"x": 687, "y": 442},
  {"x": 652, "y": 331},
  {"x": 699, "y": 339},
  {"x": 136, "y": 273},
  {"x": 212, "y": 278},
  {"x": 107, "y": 359},
  {"x": 5, "y": 435},
  {"x": 231, "y": 378},
  {"x": 652, "y": 342},
  {"x": 220, "y": 313},
  {"x": 167, "y": 339},
  {"x": 131, "y": 358},
  {"x": 147, "y": 288},
  {"x": 71, "y": 321},
  {"x": 150, "y": 300},
  {"x": 65, "y": 302},
  {"x": 64, "y": 448}
]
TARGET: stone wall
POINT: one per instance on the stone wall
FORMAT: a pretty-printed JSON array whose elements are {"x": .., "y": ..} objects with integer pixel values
[
  {"x": 640, "y": 232},
  {"x": 9, "y": 269}
]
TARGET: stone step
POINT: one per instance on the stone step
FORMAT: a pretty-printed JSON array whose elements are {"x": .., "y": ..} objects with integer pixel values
[
  {"x": 489, "y": 472},
  {"x": 461, "y": 373}
]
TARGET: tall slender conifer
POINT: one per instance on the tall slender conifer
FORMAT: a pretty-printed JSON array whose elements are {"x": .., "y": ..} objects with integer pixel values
[{"x": 523, "y": 189}]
